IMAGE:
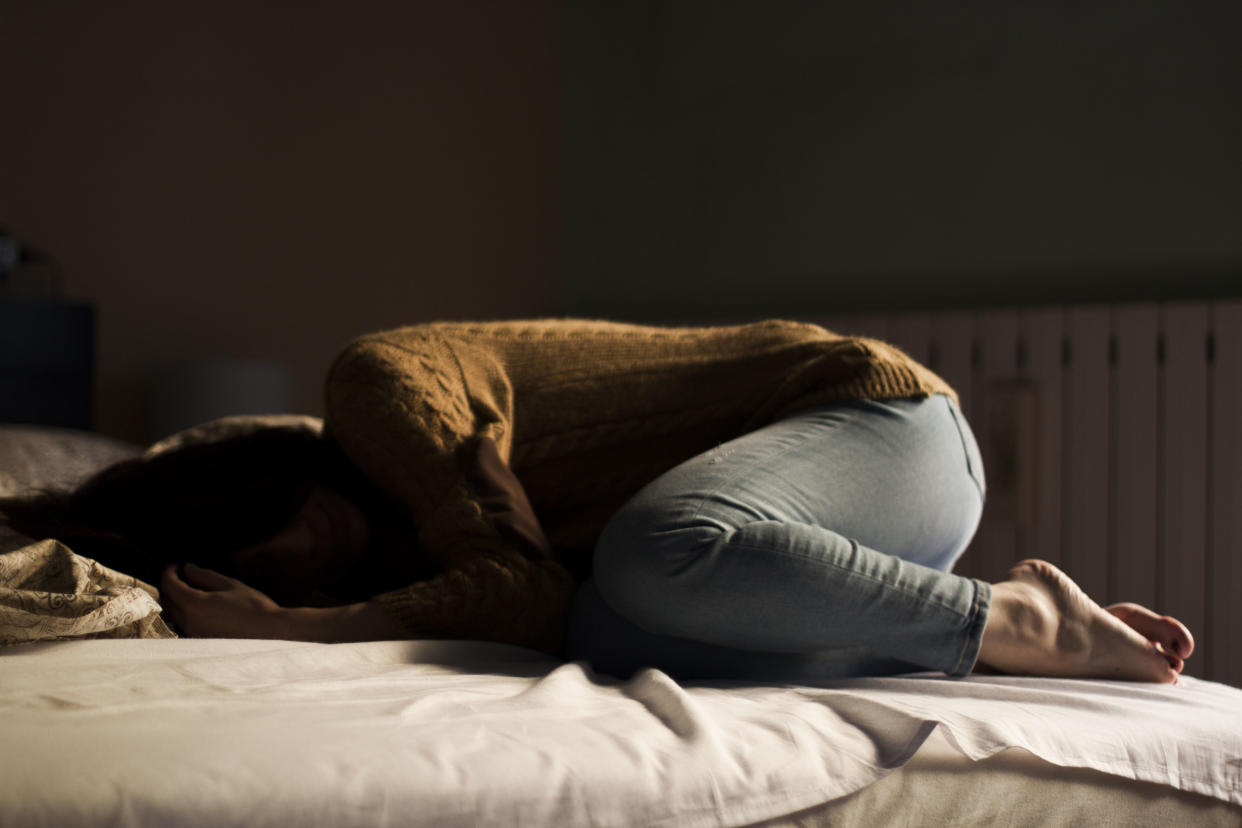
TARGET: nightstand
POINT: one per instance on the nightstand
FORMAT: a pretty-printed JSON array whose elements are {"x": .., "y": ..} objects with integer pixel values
[{"x": 46, "y": 362}]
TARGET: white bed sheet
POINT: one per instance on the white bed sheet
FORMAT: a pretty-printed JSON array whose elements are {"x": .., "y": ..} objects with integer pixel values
[{"x": 458, "y": 733}]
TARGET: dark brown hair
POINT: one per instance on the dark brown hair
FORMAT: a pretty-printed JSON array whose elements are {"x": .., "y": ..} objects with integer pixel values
[{"x": 195, "y": 503}]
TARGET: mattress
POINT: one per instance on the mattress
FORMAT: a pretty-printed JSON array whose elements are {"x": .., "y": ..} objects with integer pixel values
[{"x": 155, "y": 732}]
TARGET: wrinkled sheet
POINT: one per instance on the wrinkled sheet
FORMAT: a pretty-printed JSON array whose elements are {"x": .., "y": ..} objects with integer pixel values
[{"x": 462, "y": 733}]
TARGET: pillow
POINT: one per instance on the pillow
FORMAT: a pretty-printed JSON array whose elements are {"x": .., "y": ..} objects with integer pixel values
[{"x": 46, "y": 457}]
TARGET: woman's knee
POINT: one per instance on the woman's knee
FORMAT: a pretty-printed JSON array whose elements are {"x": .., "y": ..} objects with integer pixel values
[{"x": 642, "y": 557}]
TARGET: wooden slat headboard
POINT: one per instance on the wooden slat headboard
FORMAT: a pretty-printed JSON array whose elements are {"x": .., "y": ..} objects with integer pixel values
[{"x": 1112, "y": 445}]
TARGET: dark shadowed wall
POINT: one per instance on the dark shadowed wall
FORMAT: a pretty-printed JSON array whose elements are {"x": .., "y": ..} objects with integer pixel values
[
  {"x": 801, "y": 157},
  {"x": 263, "y": 181}
]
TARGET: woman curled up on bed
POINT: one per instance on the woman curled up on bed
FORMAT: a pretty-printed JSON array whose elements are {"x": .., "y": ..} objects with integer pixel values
[{"x": 758, "y": 501}]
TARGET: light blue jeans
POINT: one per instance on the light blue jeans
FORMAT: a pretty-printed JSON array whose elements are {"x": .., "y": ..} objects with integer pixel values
[{"x": 818, "y": 546}]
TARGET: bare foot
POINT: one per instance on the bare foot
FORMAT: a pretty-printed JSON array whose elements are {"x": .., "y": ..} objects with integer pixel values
[{"x": 1041, "y": 623}]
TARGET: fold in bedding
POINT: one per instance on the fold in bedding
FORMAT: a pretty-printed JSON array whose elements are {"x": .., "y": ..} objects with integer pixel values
[
  {"x": 48, "y": 592},
  {"x": 460, "y": 733}
]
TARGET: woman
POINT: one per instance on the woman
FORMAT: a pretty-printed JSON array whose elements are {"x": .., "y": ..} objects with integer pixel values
[{"x": 753, "y": 501}]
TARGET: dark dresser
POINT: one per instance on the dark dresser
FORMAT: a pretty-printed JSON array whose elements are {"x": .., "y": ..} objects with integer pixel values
[{"x": 46, "y": 362}]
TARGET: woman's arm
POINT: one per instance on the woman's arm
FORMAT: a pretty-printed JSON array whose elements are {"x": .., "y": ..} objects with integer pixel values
[
  {"x": 203, "y": 603},
  {"x": 366, "y": 621},
  {"x": 411, "y": 409}
]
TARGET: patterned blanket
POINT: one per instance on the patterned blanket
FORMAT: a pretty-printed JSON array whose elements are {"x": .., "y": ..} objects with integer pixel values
[{"x": 47, "y": 591}]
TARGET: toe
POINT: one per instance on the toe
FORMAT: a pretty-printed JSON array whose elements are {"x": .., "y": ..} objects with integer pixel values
[
  {"x": 1174, "y": 662},
  {"x": 1171, "y": 634},
  {"x": 1122, "y": 652}
]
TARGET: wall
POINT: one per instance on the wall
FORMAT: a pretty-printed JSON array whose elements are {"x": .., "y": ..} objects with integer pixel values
[
  {"x": 263, "y": 181},
  {"x": 785, "y": 157}
]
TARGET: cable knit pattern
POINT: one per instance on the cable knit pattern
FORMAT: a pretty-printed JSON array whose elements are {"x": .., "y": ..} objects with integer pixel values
[{"x": 585, "y": 413}]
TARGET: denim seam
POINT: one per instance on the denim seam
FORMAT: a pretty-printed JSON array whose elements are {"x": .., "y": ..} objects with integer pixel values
[
  {"x": 854, "y": 572},
  {"x": 974, "y": 637},
  {"x": 961, "y": 435}
]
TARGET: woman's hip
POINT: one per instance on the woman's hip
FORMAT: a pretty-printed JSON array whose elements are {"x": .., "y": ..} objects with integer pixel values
[{"x": 900, "y": 476}]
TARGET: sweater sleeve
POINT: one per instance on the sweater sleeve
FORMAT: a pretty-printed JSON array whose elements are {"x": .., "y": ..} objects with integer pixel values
[{"x": 410, "y": 409}]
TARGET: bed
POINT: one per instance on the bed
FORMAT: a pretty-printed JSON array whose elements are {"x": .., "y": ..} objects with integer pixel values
[{"x": 108, "y": 719}]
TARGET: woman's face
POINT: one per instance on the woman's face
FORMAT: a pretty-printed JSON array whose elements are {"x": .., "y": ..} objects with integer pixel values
[{"x": 321, "y": 544}]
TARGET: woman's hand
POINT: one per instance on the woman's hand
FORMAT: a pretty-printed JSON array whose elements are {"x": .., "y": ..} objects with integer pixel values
[{"x": 206, "y": 604}]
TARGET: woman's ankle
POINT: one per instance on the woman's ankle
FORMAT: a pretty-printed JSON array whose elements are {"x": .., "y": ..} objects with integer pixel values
[{"x": 1020, "y": 633}]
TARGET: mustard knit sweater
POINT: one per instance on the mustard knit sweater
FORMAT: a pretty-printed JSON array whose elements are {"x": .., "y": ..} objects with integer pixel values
[{"x": 585, "y": 413}]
